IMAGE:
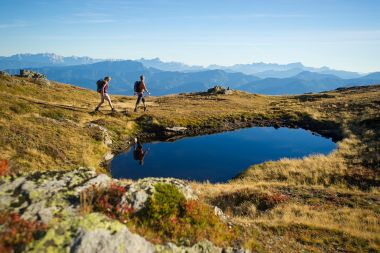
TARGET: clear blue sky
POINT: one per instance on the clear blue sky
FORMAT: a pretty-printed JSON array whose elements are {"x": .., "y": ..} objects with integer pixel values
[{"x": 343, "y": 34}]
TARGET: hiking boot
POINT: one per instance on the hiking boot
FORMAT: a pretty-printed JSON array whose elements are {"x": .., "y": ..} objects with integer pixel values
[
  {"x": 135, "y": 110},
  {"x": 144, "y": 108},
  {"x": 96, "y": 109},
  {"x": 113, "y": 110}
]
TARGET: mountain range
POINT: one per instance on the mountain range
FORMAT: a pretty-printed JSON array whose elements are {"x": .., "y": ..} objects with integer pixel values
[
  {"x": 174, "y": 77},
  {"x": 125, "y": 73},
  {"x": 260, "y": 69},
  {"x": 42, "y": 60}
]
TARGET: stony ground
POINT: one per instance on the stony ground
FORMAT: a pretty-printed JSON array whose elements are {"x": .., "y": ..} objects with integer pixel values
[{"x": 54, "y": 198}]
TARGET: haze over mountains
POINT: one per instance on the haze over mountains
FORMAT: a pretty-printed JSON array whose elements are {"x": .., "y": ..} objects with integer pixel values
[
  {"x": 42, "y": 60},
  {"x": 175, "y": 77}
]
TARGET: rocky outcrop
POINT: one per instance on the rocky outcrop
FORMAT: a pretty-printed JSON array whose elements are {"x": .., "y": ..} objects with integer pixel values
[
  {"x": 31, "y": 74},
  {"x": 103, "y": 133},
  {"x": 38, "y": 78},
  {"x": 3, "y": 73},
  {"x": 43, "y": 196},
  {"x": 99, "y": 234},
  {"x": 176, "y": 129},
  {"x": 53, "y": 198},
  {"x": 138, "y": 192},
  {"x": 219, "y": 90}
]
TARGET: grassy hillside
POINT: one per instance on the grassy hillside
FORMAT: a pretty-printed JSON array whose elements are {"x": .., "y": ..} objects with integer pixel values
[{"x": 319, "y": 203}]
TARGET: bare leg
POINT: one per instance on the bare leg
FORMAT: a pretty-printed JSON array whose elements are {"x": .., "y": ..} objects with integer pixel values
[
  {"x": 107, "y": 97},
  {"x": 138, "y": 102},
  {"x": 143, "y": 100},
  {"x": 101, "y": 102}
]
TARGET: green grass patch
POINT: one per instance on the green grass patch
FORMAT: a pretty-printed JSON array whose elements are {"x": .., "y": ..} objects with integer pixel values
[
  {"x": 20, "y": 108},
  {"x": 54, "y": 114}
]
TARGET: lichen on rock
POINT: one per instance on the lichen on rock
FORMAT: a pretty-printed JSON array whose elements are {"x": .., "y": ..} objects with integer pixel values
[
  {"x": 138, "y": 192},
  {"x": 53, "y": 198}
]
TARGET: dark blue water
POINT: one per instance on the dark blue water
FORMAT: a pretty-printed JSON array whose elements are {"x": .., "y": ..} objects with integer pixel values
[{"x": 217, "y": 157}]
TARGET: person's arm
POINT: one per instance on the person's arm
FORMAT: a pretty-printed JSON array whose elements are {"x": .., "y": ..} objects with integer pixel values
[
  {"x": 144, "y": 88},
  {"x": 104, "y": 88}
]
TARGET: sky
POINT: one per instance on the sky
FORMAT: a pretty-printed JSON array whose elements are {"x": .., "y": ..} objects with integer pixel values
[{"x": 342, "y": 34}]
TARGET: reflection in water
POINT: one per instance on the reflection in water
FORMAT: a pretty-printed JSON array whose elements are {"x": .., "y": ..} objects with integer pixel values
[{"x": 139, "y": 153}]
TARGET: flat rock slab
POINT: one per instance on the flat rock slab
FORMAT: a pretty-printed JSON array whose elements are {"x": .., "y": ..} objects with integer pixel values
[{"x": 176, "y": 129}]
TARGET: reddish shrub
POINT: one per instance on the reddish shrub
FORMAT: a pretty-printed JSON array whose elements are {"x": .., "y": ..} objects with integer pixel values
[
  {"x": 270, "y": 201},
  {"x": 4, "y": 167},
  {"x": 16, "y": 232},
  {"x": 106, "y": 200},
  {"x": 279, "y": 198}
]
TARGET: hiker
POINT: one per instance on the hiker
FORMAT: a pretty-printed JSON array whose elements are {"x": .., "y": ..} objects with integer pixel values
[
  {"x": 139, "y": 153},
  {"x": 139, "y": 89},
  {"x": 102, "y": 88}
]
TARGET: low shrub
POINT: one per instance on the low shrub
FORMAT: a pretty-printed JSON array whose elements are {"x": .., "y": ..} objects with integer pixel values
[
  {"x": 106, "y": 200},
  {"x": 167, "y": 202},
  {"x": 16, "y": 233},
  {"x": 4, "y": 167},
  {"x": 170, "y": 217},
  {"x": 240, "y": 202}
]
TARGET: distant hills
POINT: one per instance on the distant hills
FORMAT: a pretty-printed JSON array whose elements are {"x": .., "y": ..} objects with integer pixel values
[
  {"x": 260, "y": 69},
  {"x": 306, "y": 82},
  {"x": 169, "y": 66},
  {"x": 265, "y": 70},
  {"x": 175, "y": 77},
  {"x": 125, "y": 73},
  {"x": 42, "y": 60}
]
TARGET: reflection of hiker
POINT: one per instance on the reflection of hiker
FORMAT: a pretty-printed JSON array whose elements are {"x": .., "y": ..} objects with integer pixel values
[
  {"x": 139, "y": 89},
  {"x": 139, "y": 153},
  {"x": 102, "y": 88}
]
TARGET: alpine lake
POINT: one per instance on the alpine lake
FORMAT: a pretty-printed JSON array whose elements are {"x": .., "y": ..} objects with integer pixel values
[{"x": 217, "y": 158}]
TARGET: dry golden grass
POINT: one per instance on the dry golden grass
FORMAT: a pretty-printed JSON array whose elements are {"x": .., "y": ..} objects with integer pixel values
[
  {"x": 315, "y": 208},
  {"x": 357, "y": 222}
]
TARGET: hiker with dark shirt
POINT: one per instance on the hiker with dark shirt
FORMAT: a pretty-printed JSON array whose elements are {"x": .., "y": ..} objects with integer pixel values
[
  {"x": 102, "y": 87},
  {"x": 139, "y": 153},
  {"x": 140, "y": 88}
]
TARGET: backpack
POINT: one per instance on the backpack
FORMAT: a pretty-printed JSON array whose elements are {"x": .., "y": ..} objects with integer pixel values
[
  {"x": 136, "y": 155},
  {"x": 99, "y": 85},
  {"x": 137, "y": 87}
]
